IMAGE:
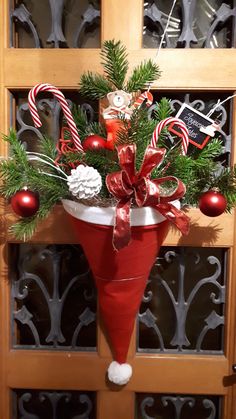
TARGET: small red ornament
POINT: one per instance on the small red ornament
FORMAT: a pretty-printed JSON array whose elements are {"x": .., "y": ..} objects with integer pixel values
[
  {"x": 25, "y": 203},
  {"x": 212, "y": 203},
  {"x": 94, "y": 142}
]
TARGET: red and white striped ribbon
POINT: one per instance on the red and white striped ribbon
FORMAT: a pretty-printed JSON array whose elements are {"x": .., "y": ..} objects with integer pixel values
[
  {"x": 45, "y": 87},
  {"x": 144, "y": 96},
  {"x": 177, "y": 122}
]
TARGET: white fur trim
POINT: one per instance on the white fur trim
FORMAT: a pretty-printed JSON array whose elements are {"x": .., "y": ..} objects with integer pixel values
[
  {"x": 119, "y": 373},
  {"x": 105, "y": 215}
]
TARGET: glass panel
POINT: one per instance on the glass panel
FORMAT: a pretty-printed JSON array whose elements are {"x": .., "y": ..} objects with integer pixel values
[
  {"x": 55, "y": 24},
  {"x": 50, "y": 114},
  {"x": 183, "y": 307},
  {"x": 194, "y": 24},
  {"x": 166, "y": 406},
  {"x": 204, "y": 102},
  {"x": 41, "y": 404},
  {"x": 53, "y": 298}
]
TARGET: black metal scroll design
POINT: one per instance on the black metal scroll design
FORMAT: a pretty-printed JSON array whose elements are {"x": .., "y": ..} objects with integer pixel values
[
  {"x": 178, "y": 403},
  {"x": 46, "y": 106},
  {"x": 49, "y": 108},
  {"x": 56, "y": 36},
  {"x": 221, "y": 16},
  {"x": 54, "y": 398},
  {"x": 200, "y": 105},
  {"x": 22, "y": 16},
  {"x": 203, "y": 106},
  {"x": 187, "y": 31},
  {"x": 187, "y": 35},
  {"x": 54, "y": 302},
  {"x": 90, "y": 17},
  {"x": 181, "y": 305}
]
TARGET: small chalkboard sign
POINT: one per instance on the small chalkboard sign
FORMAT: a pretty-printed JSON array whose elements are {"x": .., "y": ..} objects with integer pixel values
[{"x": 194, "y": 120}]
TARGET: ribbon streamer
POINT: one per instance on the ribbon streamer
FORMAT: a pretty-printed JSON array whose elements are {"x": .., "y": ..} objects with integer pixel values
[{"x": 128, "y": 187}]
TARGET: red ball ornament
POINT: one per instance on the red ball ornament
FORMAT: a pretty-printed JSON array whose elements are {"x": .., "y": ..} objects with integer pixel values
[
  {"x": 212, "y": 203},
  {"x": 25, "y": 203},
  {"x": 94, "y": 142}
]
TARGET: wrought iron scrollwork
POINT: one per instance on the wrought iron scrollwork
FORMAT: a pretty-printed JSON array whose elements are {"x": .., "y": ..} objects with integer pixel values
[
  {"x": 54, "y": 399},
  {"x": 54, "y": 300},
  {"x": 180, "y": 304},
  {"x": 187, "y": 35},
  {"x": 50, "y": 110},
  {"x": 204, "y": 107},
  {"x": 179, "y": 403},
  {"x": 62, "y": 33},
  {"x": 90, "y": 16},
  {"x": 221, "y": 16},
  {"x": 45, "y": 106},
  {"x": 56, "y": 36},
  {"x": 194, "y": 23},
  {"x": 22, "y": 16}
]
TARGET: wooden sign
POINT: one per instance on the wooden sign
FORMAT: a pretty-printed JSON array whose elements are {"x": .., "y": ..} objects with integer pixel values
[{"x": 196, "y": 123}]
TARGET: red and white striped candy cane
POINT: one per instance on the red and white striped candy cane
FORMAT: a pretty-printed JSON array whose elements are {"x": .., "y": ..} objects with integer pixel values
[
  {"x": 144, "y": 96},
  {"x": 175, "y": 121},
  {"x": 45, "y": 87}
]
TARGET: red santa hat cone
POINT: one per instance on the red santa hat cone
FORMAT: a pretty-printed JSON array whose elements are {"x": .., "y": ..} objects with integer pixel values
[{"x": 121, "y": 276}]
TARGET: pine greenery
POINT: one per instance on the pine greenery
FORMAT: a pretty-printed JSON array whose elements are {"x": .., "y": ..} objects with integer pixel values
[
  {"x": 115, "y": 64},
  {"x": 142, "y": 76},
  {"x": 94, "y": 86},
  {"x": 200, "y": 170}
]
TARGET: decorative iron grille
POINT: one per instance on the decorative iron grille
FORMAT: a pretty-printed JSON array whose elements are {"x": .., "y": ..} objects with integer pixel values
[
  {"x": 204, "y": 102},
  {"x": 44, "y": 404},
  {"x": 50, "y": 114},
  {"x": 53, "y": 298},
  {"x": 55, "y": 24},
  {"x": 166, "y": 406},
  {"x": 194, "y": 24},
  {"x": 183, "y": 306}
]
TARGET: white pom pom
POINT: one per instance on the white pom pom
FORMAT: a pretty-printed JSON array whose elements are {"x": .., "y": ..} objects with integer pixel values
[
  {"x": 84, "y": 182},
  {"x": 119, "y": 373}
]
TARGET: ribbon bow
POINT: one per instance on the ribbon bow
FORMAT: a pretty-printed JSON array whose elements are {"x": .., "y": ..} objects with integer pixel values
[{"x": 130, "y": 186}]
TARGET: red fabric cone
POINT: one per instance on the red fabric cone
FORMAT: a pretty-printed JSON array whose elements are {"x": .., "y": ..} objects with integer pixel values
[{"x": 120, "y": 277}]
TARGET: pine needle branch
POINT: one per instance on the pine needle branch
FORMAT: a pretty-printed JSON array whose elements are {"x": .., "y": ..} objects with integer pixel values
[
  {"x": 145, "y": 73},
  {"x": 115, "y": 63},
  {"x": 48, "y": 148},
  {"x": 163, "y": 109},
  {"x": 94, "y": 86},
  {"x": 17, "y": 150}
]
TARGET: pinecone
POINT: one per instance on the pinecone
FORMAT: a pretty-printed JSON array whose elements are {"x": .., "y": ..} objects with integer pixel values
[{"x": 84, "y": 182}]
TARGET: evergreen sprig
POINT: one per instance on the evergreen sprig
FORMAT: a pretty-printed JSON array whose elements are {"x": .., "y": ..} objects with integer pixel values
[
  {"x": 115, "y": 63},
  {"x": 94, "y": 86},
  {"x": 146, "y": 73},
  {"x": 200, "y": 170},
  {"x": 162, "y": 110}
]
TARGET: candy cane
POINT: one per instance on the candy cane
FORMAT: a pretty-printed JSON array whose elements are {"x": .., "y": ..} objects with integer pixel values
[
  {"x": 174, "y": 121},
  {"x": 144, "y": 96},
  {"x": 45, "y": 87}
]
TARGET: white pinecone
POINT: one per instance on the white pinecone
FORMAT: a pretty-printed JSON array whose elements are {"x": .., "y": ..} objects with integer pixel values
[{"x": 84, "y": 182}]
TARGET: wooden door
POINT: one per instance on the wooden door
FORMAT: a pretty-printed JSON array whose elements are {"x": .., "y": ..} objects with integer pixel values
[{"x": 169, "y": 380}]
